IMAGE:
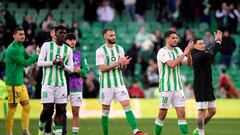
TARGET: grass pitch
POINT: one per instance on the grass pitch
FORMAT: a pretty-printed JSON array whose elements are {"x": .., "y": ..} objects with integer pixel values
[{"x": 120, "y": 127}]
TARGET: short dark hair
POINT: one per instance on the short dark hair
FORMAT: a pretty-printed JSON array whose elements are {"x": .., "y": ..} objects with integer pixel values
[
  {"x": 17, "y": 29},
  {"x": 53, "y": 28},
  {"x": 106, "y": 30},
  {"x": 70, "y": 36},
  {"x": 196, "y": 39},
  {"x": 60, "y": 27},
  {"x": 168, "y": 34}
]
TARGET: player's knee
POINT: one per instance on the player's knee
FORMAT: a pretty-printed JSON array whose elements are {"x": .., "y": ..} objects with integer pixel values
[
  {"x": 125, "y": 103},
  {"x": 26, "y": 107},
  {"x": 106, "y": 107},
  {"x": 48, "y": 109},
  {"x": 60, "y": 109},
  {"x": 75, "y": 112},
  {"x": 212, "y": 112},
  {"x": 181, "y": 115}
]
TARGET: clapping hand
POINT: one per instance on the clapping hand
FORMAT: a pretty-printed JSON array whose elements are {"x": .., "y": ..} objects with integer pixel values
[
  {"x": 188, "y": 49},
  {"x": 76, "y": 69}
]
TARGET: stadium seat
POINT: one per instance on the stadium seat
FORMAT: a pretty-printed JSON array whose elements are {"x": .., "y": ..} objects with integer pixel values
[
  {"x": 32, "y": 12},
  {"x": 78, "y": 14},
  {"x": 19, "y": 15},
  {"x": 24, "y": 5},
  {"x": 12, "y": 5},
  {"x": 62, "y": 6},
  {"x": 73, "y": 6}
]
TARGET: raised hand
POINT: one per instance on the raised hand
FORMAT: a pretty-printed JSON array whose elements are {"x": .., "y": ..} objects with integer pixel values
[
  {"x": 218, "y": 35},
  {"x": 188, "y": 49}
]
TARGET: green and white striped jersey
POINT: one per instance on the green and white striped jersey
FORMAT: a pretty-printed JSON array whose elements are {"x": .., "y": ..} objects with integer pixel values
[
  {"x": 108, "y": 56},
  {"x": 52, "y": 74},
  {"x": 169, "y": 78}
]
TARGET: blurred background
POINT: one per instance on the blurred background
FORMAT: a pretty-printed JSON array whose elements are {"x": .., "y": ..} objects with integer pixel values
[{"x": 139, "y": 26}]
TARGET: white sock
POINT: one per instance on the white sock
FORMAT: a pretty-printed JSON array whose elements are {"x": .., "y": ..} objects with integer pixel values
[
  {"x": 159, "y": 122},
  {"x": 135, "y": 131},
  {"x": 105, "y": 112},
  {"x": 201, "y": 131},
  {"x": 75, "y": 130},
  {"x": 127, "y": 108},
  {"x": 57, "y": 132}
]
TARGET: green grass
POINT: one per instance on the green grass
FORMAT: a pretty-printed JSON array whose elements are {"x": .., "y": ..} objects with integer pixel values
[{"x": 120, "y": 127}]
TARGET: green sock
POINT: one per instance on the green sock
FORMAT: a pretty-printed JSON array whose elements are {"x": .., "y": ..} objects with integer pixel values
[
  {"x": 75, "y": 130},
  {"x": 158, "y": 127},
  {"x": 131, "y": 119},
  {"x": 105, "y": 125},
  {"x": 41, "y": 125},
  {"x": 57, "y": 130},
  {"x": 183, "y": 127}
]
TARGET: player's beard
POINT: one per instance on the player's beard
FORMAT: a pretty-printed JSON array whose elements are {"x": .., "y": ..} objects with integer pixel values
[
  {"x": 111, "y": 41},
  {"x": 173, "y": 46}
]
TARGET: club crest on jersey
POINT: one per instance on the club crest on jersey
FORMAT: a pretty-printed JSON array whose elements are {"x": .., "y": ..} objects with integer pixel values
[{"x": 113, "y": 58}]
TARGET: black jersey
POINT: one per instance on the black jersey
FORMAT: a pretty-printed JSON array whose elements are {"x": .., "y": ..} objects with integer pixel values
[{"x": 202, "y": 84}]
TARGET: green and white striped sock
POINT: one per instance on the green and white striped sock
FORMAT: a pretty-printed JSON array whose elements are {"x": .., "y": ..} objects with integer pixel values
[
  {"x": 158, "y": 127},
  {"x": 183, "y": 127},
  {"x": 75, "y": 130}
]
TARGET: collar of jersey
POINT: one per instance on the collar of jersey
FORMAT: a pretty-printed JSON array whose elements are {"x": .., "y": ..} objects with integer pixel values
[
  {"x": 109, "y": 47},
  {"x": 17, "y": 43}
]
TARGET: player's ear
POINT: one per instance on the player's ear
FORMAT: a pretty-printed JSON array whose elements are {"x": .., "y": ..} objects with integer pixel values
[
  {"x": 104, "y": 36},
  {"x": 14, "y": 35}
]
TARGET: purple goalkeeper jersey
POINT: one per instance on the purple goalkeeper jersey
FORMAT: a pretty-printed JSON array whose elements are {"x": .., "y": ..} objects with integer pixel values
[{"x": 75, "y": 80}]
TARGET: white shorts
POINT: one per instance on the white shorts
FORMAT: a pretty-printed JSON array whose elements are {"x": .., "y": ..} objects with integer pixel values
[
  {"x": 206, "y": 104},
  {"x": 75, "y": 98},
  {"x": 174, "y": 98},
  {"x": 108, "y": 94},
  {"x": 54, "y": 94}
]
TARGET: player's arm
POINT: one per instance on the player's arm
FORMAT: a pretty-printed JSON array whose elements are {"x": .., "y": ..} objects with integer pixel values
[
  {"x": 84, "y": 70},
  {"x": 19, "y": 58},
  {"x": 105, "y": 68},
  {"x": 42, "y": 57},
  {"x": 176, "y": 62},
  {"x": 26, "y": 54},
  {"x": 188, "y": 61},
  {"x": 218, "y": 40},
  {"x": 69, "y": 64}
]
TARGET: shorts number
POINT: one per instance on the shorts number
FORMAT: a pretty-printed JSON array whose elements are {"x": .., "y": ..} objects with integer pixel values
[
  {"x": 102, "y": 96},
  {"x": 44, "y": 95},
  {"x": 17, "y": 94},
  {"x": 164, "y": 99}
]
